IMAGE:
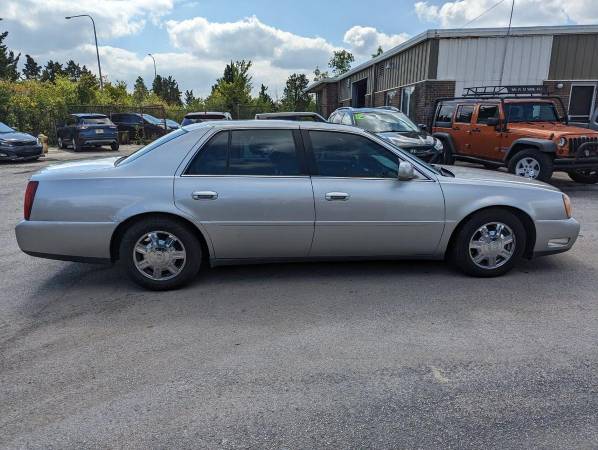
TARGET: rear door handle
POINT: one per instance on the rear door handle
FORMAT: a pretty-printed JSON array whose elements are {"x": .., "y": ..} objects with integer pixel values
[
  {"x": 204, "y": 195},
  {"x": 337, "y": 196}
]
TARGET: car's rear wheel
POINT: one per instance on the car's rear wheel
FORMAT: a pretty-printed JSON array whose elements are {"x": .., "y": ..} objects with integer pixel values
[
  {"x": 533, "y": 164},
  {"x": 76, "y": 145},
  {"x": 160, "y": 253},
  {"x": 114, "y": 146},
  {"x": 489, "y": 244},
  {"x": 61, "y": 143},
  {"x": 585, "y": 176},
  {"x": 447, "y": 154}
]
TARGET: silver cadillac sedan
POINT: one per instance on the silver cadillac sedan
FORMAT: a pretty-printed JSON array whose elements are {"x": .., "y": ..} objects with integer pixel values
[{"x": 235, "y": 192}]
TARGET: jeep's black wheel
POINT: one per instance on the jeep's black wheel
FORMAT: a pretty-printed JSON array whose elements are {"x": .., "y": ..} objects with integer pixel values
[
  {"x": 489, "y": 244},
  {"x": 447, "y": 154},
  {"x": 533, "y": 164},
  {"x": 160, "y": 253},
  {"x": 585, "y": 176},
  {"x": 114, "y": 146}
]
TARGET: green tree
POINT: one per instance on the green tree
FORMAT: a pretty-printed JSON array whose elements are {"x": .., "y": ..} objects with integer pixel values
[
  {"x": 189, "y": 98},
  {"x": 73, "y": 70},
  {"x": 233, "y": 88},
  {"x": 378, "y": 52},
  {"x": 341, "y": 62},
  {"x": 52, "y": 69},
  {"x": 8, "y": 61},
  {"x": 32, "y": 70},
  {"x": 294, "y": 96},
  {"x": 140, "y": 91},
  {"x": 87, "y": 89},
  {"x": 319, "y": 75}
]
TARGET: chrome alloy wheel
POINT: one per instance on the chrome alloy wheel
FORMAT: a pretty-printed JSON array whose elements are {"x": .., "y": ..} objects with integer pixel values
[
  {"x": 527, "y": 167},
  {"x": 492, "y": 245},
  {"x": 159, "y": 255}
]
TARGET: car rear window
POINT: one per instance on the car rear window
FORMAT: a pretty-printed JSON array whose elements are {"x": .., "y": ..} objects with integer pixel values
[
  {"x": 152, "y": 146},
  {"x": 96, "y": 121}
]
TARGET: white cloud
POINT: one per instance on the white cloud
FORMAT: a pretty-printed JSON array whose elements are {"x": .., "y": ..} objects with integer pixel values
[
  {"x": 41, "y": 25},
  {"x": 364, "y": 41},
  {"x": 457, "y": 13},
  {"x": 248, "y": 38}
]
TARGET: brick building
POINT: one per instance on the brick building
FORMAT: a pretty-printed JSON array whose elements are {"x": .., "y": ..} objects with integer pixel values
[{"x": 441, "y": 63}]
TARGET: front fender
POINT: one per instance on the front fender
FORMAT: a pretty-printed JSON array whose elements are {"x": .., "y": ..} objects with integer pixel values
[{"x": 543, "y": 145}]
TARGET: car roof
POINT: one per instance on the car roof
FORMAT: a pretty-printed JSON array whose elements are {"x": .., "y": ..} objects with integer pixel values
[
  {"x": 288, "y": 113},
  {"x": 205, "y": 113},
  {"x": 88, "y": 115},
  {"x": 373, "y": 109},
  {"x": 496, "y": 99},
  {"x": 272, "y": 124}
]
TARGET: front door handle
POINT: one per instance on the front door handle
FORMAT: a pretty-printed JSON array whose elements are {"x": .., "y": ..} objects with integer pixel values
[
  {"x": 204, "y": 195},
  {"x": 337, "y": 196}
]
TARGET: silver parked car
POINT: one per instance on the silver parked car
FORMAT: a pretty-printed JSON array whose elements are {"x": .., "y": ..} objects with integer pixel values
[{"x": 229, "y": 192}]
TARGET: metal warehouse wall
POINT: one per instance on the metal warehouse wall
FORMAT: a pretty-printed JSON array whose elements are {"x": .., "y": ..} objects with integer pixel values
[
  {"x": 574, "y": 57},
  {"x": 478, "y": 61}
]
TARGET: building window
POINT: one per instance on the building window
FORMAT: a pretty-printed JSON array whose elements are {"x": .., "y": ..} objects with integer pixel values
[
  {"x": 389, "y": 97},
  {"x": 406, "y": 97}
]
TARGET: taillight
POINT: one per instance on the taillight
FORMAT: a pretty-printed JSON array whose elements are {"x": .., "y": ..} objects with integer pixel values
[{"x": 29, "y": 197}]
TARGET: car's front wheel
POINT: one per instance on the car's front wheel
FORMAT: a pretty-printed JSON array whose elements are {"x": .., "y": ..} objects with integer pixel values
[
  {"x": 114, "y": 146},
  {"x": 533, "y": 164},
  {"x": 585, "y": 176},
  {"x": 489, "y": 243},
  {"x": 160, "y": 253},
  {"x": 61, "y": 143}
]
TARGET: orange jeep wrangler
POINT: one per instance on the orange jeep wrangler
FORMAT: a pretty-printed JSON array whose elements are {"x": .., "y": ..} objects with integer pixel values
[{"x": 517, "y": 127}]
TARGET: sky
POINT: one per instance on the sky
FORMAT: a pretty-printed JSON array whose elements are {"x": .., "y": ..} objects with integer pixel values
[{"x": 194, "y": 39}]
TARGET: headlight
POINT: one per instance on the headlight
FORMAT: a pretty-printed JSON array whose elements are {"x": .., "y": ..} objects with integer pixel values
[
  {"x": 438, "y": 144},
  {"x": 568, "y": 207},
  {"x": 562, "y": 142}
]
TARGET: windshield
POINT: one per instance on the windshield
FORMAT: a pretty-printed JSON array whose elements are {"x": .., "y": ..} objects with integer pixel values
[
  {"x": 531, "y": 112},
  {"x": 384, "y": 121},
  {"x": 149, "y": 147},
  {"x": 152, "y": 119},
  {"x": 5, "y": 128},
  {"x": 96, "y": 121},
  {"x": 202, "y": 118}
]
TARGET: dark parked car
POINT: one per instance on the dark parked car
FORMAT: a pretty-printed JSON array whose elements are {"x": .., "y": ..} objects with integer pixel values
[
  {"x": 16, "y": 146},
  {"x": 394, "y": 126},
  {"x": 140, "y": 125},
  {"x": 295, "y": 116},
  {"x": 196, "y": 117},
  {"x": 87, "y": 130}
]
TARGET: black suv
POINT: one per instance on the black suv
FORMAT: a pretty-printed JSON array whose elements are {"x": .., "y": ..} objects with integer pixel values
[
  {"x": 391, "y": 124},
  {"x": 86, "y": 130},
  {"x": 140, "y": 126}
]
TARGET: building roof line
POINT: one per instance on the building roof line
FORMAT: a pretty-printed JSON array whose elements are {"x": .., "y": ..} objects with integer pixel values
[{"x": 460, "y": 33}]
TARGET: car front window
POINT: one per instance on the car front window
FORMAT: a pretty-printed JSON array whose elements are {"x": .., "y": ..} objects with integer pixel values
[
  {"x": 5, "y": 128},
  {"x": 384, "y": 121},
  {"x": 531, "y": 112}
]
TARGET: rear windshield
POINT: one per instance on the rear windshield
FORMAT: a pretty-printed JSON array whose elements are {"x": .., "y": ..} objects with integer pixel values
[
  {"x": 149, "y": 147},
  {"x": 531, "y": 112},
  {"x": 202, "y": 118},
  {"x": 96, "y": 121}
]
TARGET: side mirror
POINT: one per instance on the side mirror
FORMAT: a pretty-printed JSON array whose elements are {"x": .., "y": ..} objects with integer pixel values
[
  {"x": 492, "y": 121},
  {"x": 406, "y": 171},
  {"x": 422, "y": 126}
]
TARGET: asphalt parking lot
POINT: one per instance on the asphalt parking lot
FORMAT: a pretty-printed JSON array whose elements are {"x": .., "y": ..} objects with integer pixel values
[{"x": 327, "y": 355}]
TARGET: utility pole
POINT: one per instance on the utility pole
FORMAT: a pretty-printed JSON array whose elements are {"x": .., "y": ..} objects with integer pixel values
[
  {"x": 154, "y": 59},
  {"x": 504, "y": 56},
  {"x": 95, "y": 36}
]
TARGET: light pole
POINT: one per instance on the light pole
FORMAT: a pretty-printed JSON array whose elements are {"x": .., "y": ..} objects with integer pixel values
[
  {"x": 95, "y": 36},
  {"x": 152, "y": 56}
]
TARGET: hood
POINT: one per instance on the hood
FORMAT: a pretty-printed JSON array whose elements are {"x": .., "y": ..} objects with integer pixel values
[
  {"x": 408, "y": 138},
  {"x": 545, "y": 129},
  {"x": 473, "y": 174},
  {"x": 76, "y": 169},
  {"x": 16, "y": 136}
]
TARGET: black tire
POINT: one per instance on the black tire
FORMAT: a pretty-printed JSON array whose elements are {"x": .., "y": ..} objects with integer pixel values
[
  {"x": 543, "y": 161},
  {"x": 61, "y": 143},
  {"x": 190, "y": 244},
  {"x": 463, "y": 258},
  {"x": 76, "y": 146},
  {"x": 447, "y": 154},
  {"x": 585, "y": 176},
  {"x": 114, "y": 146}
]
